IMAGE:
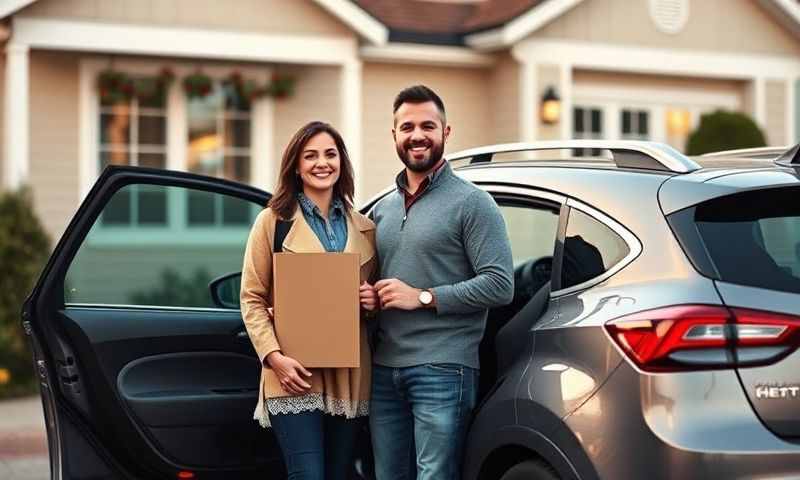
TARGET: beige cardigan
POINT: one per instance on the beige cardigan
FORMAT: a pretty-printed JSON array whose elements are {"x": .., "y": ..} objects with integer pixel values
[{"x": 344, "y": 386}]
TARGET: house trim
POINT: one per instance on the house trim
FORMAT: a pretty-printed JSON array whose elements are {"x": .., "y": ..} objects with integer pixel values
[
  {"x": 353, "y": 16},
  {"x": 421, "y": 54},
  {"x": 183, "y": 42},
  {"x": 7, "y": 7},
  {"x": 16, "y": 115},
  {"x": 522, "y": 26}
]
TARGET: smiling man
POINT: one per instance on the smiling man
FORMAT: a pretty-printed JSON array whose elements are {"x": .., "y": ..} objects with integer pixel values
[{"x": 445, "y": 260}]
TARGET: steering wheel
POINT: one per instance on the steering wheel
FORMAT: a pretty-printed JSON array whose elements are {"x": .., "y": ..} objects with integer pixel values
[{"x": 532, "y": 275}]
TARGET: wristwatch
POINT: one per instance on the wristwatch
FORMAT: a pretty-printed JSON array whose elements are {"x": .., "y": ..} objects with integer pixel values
[{"x": 425, "y": 297}]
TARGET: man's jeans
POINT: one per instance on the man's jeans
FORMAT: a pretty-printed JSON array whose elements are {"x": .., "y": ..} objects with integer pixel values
[{"x": 424, "y": 408}]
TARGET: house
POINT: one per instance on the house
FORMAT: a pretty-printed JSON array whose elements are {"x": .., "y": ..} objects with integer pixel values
[{"x": 640, "y": 69}]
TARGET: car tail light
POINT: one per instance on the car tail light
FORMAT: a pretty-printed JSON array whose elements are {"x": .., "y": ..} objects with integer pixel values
[{"x": 691, "y": 337}]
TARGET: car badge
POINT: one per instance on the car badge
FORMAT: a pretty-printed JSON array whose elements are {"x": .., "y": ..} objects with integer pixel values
[{"x": 781, "y": 391}]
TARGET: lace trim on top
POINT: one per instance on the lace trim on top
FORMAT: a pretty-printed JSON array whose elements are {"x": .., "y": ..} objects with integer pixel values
[{"x": 308, "y": 403}]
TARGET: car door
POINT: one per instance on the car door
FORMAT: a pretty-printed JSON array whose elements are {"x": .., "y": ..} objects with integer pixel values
[{"x": 143, "y": 374}]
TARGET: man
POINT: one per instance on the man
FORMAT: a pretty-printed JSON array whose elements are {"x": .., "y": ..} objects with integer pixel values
[{"x": 445, "y": 260}]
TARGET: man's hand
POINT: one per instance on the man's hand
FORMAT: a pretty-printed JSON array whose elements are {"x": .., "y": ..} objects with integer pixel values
[
  {"x": 394, "y": 293},
  {"x": 368, "y": 296}
]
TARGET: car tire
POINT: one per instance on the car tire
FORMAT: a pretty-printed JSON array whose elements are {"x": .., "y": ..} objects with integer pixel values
[{"x": 530, "y": 470}]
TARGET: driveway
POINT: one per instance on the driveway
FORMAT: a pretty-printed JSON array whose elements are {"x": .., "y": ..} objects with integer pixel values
[{"x": 23, "y": 442}]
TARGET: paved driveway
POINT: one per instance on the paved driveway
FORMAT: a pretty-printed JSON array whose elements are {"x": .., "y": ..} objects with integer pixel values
[{"x": 23, "y": 443}]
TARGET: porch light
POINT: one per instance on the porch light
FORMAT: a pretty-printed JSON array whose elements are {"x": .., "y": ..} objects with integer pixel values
[
  {"x": 678, "y": 122},
  {"x": 551, "y": 106}
]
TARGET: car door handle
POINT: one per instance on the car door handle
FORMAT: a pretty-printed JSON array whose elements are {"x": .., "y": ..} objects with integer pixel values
[{"x": 242, "y": 335}]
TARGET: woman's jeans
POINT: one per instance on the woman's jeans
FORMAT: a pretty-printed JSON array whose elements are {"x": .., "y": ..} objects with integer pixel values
[
  {"x": 418, "y": 420},
  {"x": 317, "y": 446}
]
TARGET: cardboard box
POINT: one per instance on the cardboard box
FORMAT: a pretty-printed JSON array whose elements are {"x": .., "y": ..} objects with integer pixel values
[{"x": 317, "y": 308}]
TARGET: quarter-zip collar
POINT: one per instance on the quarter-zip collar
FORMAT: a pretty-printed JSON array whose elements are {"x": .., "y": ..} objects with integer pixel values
[{"x": 433, "y": 178}]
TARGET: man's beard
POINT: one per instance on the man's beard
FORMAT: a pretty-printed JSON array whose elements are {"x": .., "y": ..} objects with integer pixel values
[{"x": 436, "y": 150}]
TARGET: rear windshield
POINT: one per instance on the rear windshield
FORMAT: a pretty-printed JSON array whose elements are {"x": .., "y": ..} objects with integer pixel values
[{"x": 753, "y": 238}]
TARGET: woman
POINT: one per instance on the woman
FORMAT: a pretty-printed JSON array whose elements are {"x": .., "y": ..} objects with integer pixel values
[{"x": 316, "y": 414}]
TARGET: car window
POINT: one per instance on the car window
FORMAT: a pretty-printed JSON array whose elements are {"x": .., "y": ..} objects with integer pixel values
[
  {"x": 163, "y": 256},
  {"x": 753, "y": 238},
  {"x": 532, "y": 231},
  {"x": 590, "y": 249}
]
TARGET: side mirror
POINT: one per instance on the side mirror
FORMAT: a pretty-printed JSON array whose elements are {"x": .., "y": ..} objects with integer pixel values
[{"x": 225, "y": 290}]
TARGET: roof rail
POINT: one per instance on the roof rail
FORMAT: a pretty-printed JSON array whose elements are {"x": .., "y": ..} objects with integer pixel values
[
  {"x": 790, "y": 158},
  {"x": 766, "y": 153},
  {"x": 625, "y": 153}
]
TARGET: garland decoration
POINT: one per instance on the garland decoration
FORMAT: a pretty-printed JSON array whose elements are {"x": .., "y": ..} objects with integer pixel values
[
  {"x": 114, "y": 87},
  {"x": 281, "y": 85},
  {"x": 149, "y": 88},
  {"x": 197, "y": 85}
]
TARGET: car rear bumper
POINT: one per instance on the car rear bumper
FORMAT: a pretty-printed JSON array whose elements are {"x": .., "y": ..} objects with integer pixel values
[{"x": 679, "y": 425}]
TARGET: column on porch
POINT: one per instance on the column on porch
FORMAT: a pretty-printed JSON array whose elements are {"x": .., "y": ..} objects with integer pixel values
[{"x": 16, "y": 116}]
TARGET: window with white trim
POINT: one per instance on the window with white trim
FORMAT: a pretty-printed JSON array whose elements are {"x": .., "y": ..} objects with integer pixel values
[
  {"x": 635, "y": 124},
  {"x": 134, "y": 132},
  {"x": 219, "y": 126},
  {"x": 588, "y": 124}
]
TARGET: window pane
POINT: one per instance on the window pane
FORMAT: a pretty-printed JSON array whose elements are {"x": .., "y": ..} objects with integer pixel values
[
  {"x": 532, "y": 234},
  {"x": 237, "y": 133},
  {"x": 578, "y": 120},
  {"x": 643, "y": 130},
  {"x": 115, "y": 128},
  {"x": 590, "y": 248},
  {"x": 152, "y": 160},
  {"x": 152, "y": 130},
  {"x": 152, "y": 205},
  {"x": 118, "y": 209},
  {"x": 235, "y": 211},
  {"x": 116, "y": 157},
  {"x": 151, "y": 266},
  {"x": 237, "y": 169},
  {"x": 626, "y": 122},
  {"x": 233, "y": 100},
  {"x": 201, "y": 208},
  {"x": 597, "y": 121}
]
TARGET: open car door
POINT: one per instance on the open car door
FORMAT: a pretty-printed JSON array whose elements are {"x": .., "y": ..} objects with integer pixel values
[{"x": 143, "y": 374}]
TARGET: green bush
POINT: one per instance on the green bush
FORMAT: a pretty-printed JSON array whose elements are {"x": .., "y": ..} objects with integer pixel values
[
  {"x": 723, "y": 130},
  {"x": 24, "y": 249}
]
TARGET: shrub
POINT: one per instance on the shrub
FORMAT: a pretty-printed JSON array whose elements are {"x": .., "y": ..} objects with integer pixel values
[
  {"x": 24, "y": 249},
  {"x": 723, "y": 130}
]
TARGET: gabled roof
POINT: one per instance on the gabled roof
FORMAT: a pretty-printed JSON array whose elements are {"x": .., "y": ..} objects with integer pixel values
[{"x": 7, "y": 7}]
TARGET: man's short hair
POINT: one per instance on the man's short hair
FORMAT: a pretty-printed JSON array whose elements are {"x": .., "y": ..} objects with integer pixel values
[{"x": 420, "y": 94}]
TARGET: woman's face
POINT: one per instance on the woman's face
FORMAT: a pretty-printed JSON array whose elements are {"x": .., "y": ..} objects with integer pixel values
[{"x": 319, "y": 163}]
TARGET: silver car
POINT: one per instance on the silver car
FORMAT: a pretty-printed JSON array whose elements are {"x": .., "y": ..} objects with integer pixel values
[{"x": 653, "y": 332}]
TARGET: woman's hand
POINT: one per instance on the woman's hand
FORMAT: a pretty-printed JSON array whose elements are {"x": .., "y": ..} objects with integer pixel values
[
  {"x": 289, "y": 372},
  {"x": 368, "y": 296}
]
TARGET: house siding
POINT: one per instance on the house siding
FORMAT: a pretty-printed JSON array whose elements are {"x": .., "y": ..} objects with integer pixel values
[
  {"x": 466, "y": 96},
  {"x": 505, "y": 92},
  {"x": 2, "y": 120},
  {"x": 317, "y": 96},
  {"x": 273, "y": 16},
  {"x": 775, "y": 99},
  {"x": 744, "y": 27},
  {"x": 54, "y": 137}
]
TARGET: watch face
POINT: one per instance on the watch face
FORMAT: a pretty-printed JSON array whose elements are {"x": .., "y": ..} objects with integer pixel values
[{"x": 425, "y": 297}]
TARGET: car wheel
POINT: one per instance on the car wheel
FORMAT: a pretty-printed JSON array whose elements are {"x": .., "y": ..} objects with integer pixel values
[{"x": 530, "y": 470}]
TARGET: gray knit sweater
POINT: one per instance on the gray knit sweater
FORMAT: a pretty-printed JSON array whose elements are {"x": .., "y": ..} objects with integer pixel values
[{"x": 453, "y": 241}]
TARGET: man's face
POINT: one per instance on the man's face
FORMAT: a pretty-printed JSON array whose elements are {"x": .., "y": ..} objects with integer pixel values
[{"x": 419, "y": 135}]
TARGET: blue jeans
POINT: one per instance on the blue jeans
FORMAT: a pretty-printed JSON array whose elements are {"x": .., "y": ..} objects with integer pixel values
[
  {"x": 316, "y": 446},
  {"x": 418, "y": 419}
]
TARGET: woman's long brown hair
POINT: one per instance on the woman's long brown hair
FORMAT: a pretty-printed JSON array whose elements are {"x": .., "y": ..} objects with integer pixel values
[{"x": 284, "y": 202}]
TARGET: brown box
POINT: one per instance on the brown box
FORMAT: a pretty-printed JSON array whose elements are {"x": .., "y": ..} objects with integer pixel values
[{"x": 317, "y": 308}]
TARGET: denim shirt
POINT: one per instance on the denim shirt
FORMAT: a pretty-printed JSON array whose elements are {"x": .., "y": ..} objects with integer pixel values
[{"x": 333, "y": 233}]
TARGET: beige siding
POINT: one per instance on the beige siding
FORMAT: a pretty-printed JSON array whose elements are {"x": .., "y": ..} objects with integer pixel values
[
  {"x": 505, "y": 92},
  {"x": 54, "y": 137},
  {"x": 775, "y": 99},
  {"x": 546, "y": 76},
  {"x": 274, "y": 16},
  {"x": 735, "y": 26},
  {"x": 465, "y": 92},
  {"x": 316, "y": 97},
  {"x": 664, "y": 82}
]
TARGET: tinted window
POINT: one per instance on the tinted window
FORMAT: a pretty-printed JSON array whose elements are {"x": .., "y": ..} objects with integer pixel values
[
  {"x": 590, "y": 249},
  {"x": 532, "y": 233},
  {"x": 167, "y": 255},
  {"x": 753, "y": 238}
]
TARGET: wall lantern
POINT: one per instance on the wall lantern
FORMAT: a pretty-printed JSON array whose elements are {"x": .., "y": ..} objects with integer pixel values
[
  {"x": 678, "y": 122},
  {"x": 551, "y": 106}
]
